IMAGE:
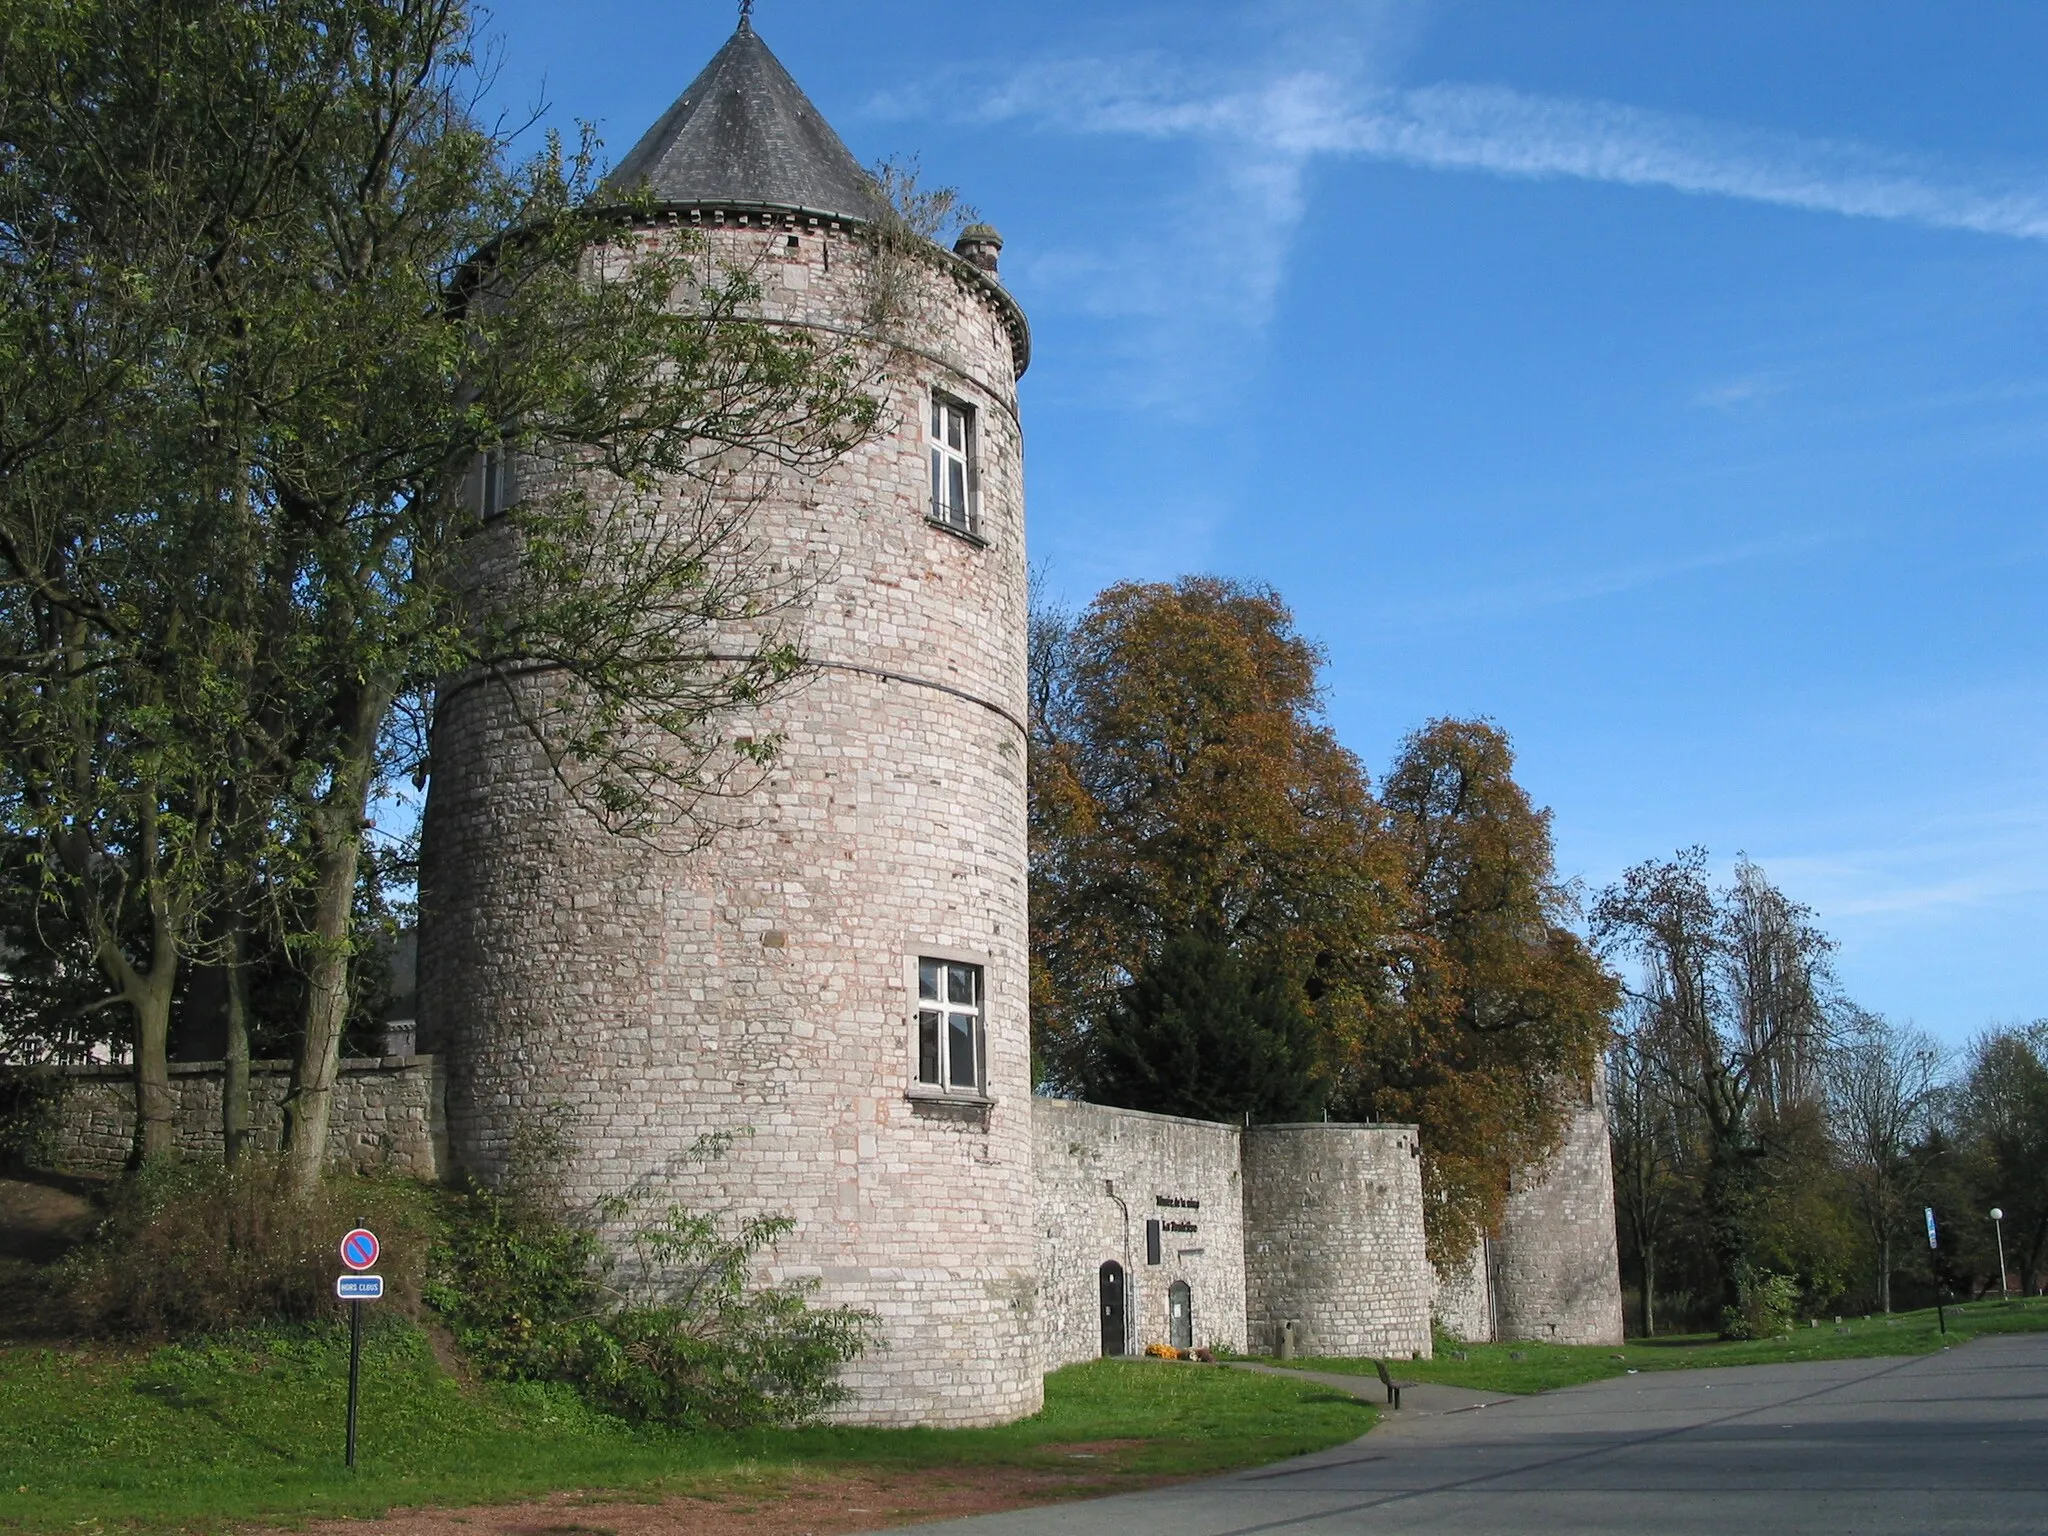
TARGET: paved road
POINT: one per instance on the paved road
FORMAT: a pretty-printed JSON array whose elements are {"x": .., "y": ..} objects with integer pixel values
[{"x": 1955, "y": 1442}]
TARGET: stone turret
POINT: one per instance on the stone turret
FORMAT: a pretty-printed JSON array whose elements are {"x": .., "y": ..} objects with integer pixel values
[
  {"x": 1551, "y": 1272},
  {"x": 838, "y": 983}
]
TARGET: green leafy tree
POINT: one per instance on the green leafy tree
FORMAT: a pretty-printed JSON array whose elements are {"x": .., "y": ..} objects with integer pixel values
[
  {"x": 271, "y": 255},
  {"x": 2000, "y": 1119},
  {"x": 1883, "y": 1085},
  {"x": 1732, "y": 988},
  {"x": 1203, "y": 1034}
]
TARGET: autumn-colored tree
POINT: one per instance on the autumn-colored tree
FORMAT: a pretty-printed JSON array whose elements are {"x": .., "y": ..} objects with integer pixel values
[
  {"x": 1182, "y": 782},
  {"x": 1500, "y": 1011}
]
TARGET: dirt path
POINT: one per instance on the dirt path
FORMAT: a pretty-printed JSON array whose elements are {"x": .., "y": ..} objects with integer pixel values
[
  {"x": 820, "y": 1502},
  {"x": 41, "y": 1218}
]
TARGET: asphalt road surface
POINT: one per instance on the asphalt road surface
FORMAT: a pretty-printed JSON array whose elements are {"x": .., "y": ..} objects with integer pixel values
[{"x": 1952, "y": 1442}]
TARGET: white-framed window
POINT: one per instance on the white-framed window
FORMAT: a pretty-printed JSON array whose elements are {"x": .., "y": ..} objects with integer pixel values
[
  {"x": 950, "y": 1039},
  {"x": 951, "y": 441},
  {"x": 497, "y": 483}
]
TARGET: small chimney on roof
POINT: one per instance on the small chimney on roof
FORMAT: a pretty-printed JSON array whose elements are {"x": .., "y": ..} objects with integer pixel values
[{"x": 980, "y": 245}]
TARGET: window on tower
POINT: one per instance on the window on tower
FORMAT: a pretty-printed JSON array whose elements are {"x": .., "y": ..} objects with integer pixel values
[
  {"x": 494, "y": 483},
  {"x": 951, "y": 442},
  {"x": 949, "y": 1026}
]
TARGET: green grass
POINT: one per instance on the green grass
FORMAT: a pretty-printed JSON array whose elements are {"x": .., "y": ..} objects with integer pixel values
[
  {"x": 1540, "y": 1367},
  {"x": 202, "y": 1438}
]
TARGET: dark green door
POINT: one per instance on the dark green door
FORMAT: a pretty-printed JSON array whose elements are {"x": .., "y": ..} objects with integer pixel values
[{"x": 1112, "y": 1308}]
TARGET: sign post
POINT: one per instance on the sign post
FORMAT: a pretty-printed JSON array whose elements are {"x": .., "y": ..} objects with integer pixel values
[
  {"x": 1940, "y": 1315},
  {"x": 359, "y": 1251}
]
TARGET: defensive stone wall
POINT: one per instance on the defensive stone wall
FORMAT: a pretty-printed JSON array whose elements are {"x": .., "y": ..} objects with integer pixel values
[
  {"x": 1464, "y": 1296},
  {"x": 1556, "y": 1274},
  {"x": 1334, "y": 1241},
  {"x": 1104, "y": 1176},
  {"x": 387, "y": 1113}
]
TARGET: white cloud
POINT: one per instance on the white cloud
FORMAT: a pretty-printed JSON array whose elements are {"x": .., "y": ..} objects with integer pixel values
[
  {"x": 1257, "y": 131},
  {"x": 1306, "y": 113},
  {"x": 1735, "y": 394}
]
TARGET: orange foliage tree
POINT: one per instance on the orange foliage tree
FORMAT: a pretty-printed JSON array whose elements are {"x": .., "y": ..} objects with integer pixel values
[
  {"x": 1183, "y": 782},
  {"x": 1501, "y": 1011}
]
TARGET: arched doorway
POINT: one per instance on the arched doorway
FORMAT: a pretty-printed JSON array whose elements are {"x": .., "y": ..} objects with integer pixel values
[
  {"x": 1112, "y": 1286},
  {"x": 1180, "y": 1315}
]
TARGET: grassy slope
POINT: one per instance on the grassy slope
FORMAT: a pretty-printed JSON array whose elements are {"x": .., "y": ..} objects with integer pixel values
[
  {"x": 1493, "y": 1368},
  {"x": 201, "y": 1438}
]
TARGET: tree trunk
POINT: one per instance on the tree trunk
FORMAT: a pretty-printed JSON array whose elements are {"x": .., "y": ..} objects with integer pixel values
[
  {"x": 1729, "y": 1199},
  {"x": 337, "y": 826},
  {"x": 1884, "y": 1274},
  {"x": 311, "y": 1106},
  {"x": 156, "y": 1121},
  {"x": 234, "y": 1090},
  {"x": 1649, "y": 1289}
]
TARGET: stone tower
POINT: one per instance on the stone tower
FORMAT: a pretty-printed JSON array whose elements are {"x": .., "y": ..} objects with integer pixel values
[
  {"x": 839, "y": 982},
  {"x": 1552, "y": 1270}
]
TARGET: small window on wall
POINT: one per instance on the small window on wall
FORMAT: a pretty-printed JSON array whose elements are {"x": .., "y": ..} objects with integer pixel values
[
  {"x": 949, "y": 1028},
  {"x": 496, "y": 482},
  {"x": 953, "y": 467}
]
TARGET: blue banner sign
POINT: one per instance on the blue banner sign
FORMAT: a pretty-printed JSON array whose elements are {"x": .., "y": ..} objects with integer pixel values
[
  {"x": 359, "y": 1287},
  {"x": 1930, "y": 1226}
]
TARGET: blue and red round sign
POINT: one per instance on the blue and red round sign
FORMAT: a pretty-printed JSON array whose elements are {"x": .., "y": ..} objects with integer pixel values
[{"x": 359, "y": 1249}]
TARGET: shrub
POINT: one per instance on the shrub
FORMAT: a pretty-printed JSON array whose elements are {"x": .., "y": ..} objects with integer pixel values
[
  {"x": 1764, "y": 1308},
  {"x": 189, "y": 1249},
  {"x": 31, "y": 1102},
  {"x": 685, "y": 1340}
]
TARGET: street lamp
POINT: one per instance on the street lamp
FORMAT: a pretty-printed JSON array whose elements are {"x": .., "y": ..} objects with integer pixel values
[{"x": 1998, "y": 1226}]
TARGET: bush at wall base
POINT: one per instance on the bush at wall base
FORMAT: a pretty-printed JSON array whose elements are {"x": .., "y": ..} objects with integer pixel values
[{"x": 682, "y": 1339}]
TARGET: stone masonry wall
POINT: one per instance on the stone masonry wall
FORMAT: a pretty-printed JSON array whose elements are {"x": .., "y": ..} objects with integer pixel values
[
  {"x": 387, "y": 1114},
  {"x": 1334, "y": 1241},
  {"x": 1464, "y": 1297},
  {"x": 732, "y": 1027},
  {"x": 1102, "y": 1175},
  {"x": 1556, "y": 1272}
]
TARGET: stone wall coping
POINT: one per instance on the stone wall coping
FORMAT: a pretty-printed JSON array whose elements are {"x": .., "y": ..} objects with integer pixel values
[
  {"x": 1230, "y": 1125},
  {"x": 125, "y": 1071},
  {"x": 1139, "y": 1114},
  {"x": 1335, "y": 1125}
]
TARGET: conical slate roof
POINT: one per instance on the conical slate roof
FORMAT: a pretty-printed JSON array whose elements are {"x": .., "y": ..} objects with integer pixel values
[{"x": 745, "y": 133}]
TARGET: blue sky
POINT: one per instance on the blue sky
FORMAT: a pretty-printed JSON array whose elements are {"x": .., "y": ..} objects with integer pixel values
[{"x": 1662, "y": 380}]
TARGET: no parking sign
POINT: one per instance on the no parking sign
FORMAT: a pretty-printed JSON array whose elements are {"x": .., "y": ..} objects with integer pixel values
[{"x": 359, "y": 1249}]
